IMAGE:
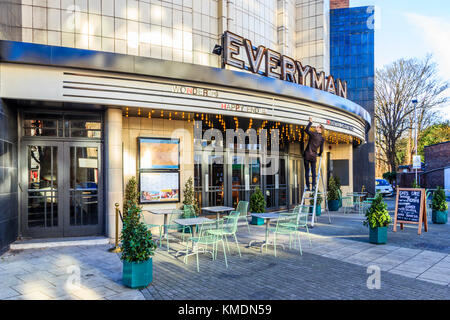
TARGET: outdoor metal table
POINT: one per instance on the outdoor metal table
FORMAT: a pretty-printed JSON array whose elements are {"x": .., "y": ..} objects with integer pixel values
[
  {"x": 165, "y": 212},
  {"x": 358, "y": 203},
  {"x": 190, "y": 222},
  {"x": 218, "y": 209},
  {"x": 267, "y": 217}
]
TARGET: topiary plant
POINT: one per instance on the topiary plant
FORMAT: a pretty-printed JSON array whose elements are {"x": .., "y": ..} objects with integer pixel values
[
  {"x": 333, "y": 190},
  {"x": 131, "y": 195},
  {"x": 319, "y": 200},
  {"x": 137, "y": 241},
  {"x": 189, "y": 196},
  {"x": 257, "y": 201},
  {"x": 439, "y": 201},
  {"x": 377, "y": 215}
]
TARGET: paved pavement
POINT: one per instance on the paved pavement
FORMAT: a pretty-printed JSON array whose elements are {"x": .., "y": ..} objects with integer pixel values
[
  {"x": 41, "y": 274},
  {"x": 335, "y": 267}
]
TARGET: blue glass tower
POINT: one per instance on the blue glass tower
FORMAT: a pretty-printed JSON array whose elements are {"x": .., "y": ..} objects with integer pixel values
[{"x": 352, "y": 59}]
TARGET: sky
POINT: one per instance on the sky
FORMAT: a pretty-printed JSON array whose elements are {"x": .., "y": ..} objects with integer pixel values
[{"x": 412, "y": 28}]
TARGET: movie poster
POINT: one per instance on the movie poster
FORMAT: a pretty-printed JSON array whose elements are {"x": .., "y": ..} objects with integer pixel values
[{"x": 159, "y": 187}]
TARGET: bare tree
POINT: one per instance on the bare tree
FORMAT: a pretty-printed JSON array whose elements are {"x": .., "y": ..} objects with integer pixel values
[{"x": 396, "y": 85}]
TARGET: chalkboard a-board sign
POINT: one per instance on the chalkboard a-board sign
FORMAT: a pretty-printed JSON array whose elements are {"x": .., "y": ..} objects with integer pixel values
[{"x": 410, "y": 207}]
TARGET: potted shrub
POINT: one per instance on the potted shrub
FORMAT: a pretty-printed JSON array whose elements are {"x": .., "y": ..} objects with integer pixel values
[
  {"x": 137, "y": 250},
  {"x": 378, "y": 219},
  {"x": 333, "y": 195},
  {"x": 318, "y": 205},
  {"x": 189, "y": 199},
  {"x": 257, "y": 205},
  {"x": 439, "y": 207}
]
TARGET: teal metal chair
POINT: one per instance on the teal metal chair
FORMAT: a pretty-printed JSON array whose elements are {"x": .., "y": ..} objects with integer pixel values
[
  {"x": 153, "y": 225},
  {"x": 302, "y": 213},
  {"x": 366, "y": 204},
  {"x": 287, "y": 224},
  {"x": 188, "y": 212},
  {"x": 347, "y": 204},
  {"x": 242, "y": 208},
  {"x": 170, "y": 226},
  {"x": 228, "y": 227},
  {"x": 205, "y": 238}
]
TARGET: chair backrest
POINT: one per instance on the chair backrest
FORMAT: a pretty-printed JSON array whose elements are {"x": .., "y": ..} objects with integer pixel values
[
  {"x": 303, "y": 213},
  {"x": 230, "y": 224},
  {"x": 208, "y": 225},
  {"x": 242, "y": 208},
  {"x": 189, "y": 211},
  {"x": 176, "y": 214},
  {"x": 288, "y": 221}
]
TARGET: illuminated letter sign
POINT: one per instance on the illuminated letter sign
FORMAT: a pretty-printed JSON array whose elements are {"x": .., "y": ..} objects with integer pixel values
[{"x": 276, "y": 65}]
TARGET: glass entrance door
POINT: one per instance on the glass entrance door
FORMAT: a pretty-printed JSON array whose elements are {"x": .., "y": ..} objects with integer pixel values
[
  {"x": 82, "y": 189},
  {"x": 245, "y": 176},
  {"x": 41, "y": 189},
  {"x": 276, "y": 187},
  {"x": 61, "y": 189}
]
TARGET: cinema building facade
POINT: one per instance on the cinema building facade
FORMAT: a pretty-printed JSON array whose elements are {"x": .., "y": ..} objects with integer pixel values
[{"x": 76, "y": 124}]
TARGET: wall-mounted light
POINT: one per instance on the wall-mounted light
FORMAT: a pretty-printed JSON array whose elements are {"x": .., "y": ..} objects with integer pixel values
[{"x": 217, "y": 50}]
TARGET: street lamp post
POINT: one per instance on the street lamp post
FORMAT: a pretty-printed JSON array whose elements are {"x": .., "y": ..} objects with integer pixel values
[{"x": 416, "y": 125}]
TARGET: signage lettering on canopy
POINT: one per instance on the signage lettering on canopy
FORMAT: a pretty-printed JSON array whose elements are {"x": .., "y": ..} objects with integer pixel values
[
  {"x": 410, "y": 207},
  {"x": 276, "y": 65}
]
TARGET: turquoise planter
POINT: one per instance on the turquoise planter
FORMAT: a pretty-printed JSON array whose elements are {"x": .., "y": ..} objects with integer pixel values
[
  {"x": 333, "y": 205},
  {"x": 137, "y": 274},
  {"x": 378, "y": 235},
  {"x": 439, "y": 217},
  {"x": 318, "y": 210},
  {"x": 257, "y": 221}
]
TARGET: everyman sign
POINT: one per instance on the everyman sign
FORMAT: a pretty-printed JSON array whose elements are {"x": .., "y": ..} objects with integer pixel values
[
  {"x": 276, "y": 65},
  {"x": 410, "y": 207}
]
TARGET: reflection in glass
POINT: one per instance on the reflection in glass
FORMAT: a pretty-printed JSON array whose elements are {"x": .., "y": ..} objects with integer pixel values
[
  {"x": 83, "y": 186},
  {"x": 216, "y": 180},
  {"x": 42, "y": 186}
]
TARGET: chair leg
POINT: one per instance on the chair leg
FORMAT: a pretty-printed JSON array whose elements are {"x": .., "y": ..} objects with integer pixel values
[
  {"x": 248, "y": 226},
  {"x": 309, "y": 236},
  {"x": 224, "y": 254},
  {"x": 274, "y": 244},
  {"x": 198, "y": 268},
  {"x": 237, "y": 245},
  {"x": 299, "y": 243},
  {"x": 226, "y": 240}
]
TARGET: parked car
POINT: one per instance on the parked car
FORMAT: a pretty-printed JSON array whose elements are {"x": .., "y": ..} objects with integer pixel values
[{"x": 384, "y": 187}]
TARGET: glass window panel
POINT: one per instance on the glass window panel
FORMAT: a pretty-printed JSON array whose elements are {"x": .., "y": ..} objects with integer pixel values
[
  {"x": 83, "y": 185},
  {"x": 42, "y": 186}
]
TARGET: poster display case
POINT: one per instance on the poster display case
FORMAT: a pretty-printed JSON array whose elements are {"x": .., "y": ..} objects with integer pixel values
[{"x": 159, "y": 170}]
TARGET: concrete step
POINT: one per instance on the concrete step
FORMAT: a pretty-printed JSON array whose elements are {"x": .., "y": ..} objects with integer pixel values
[{"x": 58, "y": 242}]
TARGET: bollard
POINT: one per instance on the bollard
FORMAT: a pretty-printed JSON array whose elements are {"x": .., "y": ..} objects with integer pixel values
[{"x": 116, "y": 247}]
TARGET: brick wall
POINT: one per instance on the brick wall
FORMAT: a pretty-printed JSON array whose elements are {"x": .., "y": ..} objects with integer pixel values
[
  {"x": 337, "y": 4},
  {"x": 437, "y": 156}
]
